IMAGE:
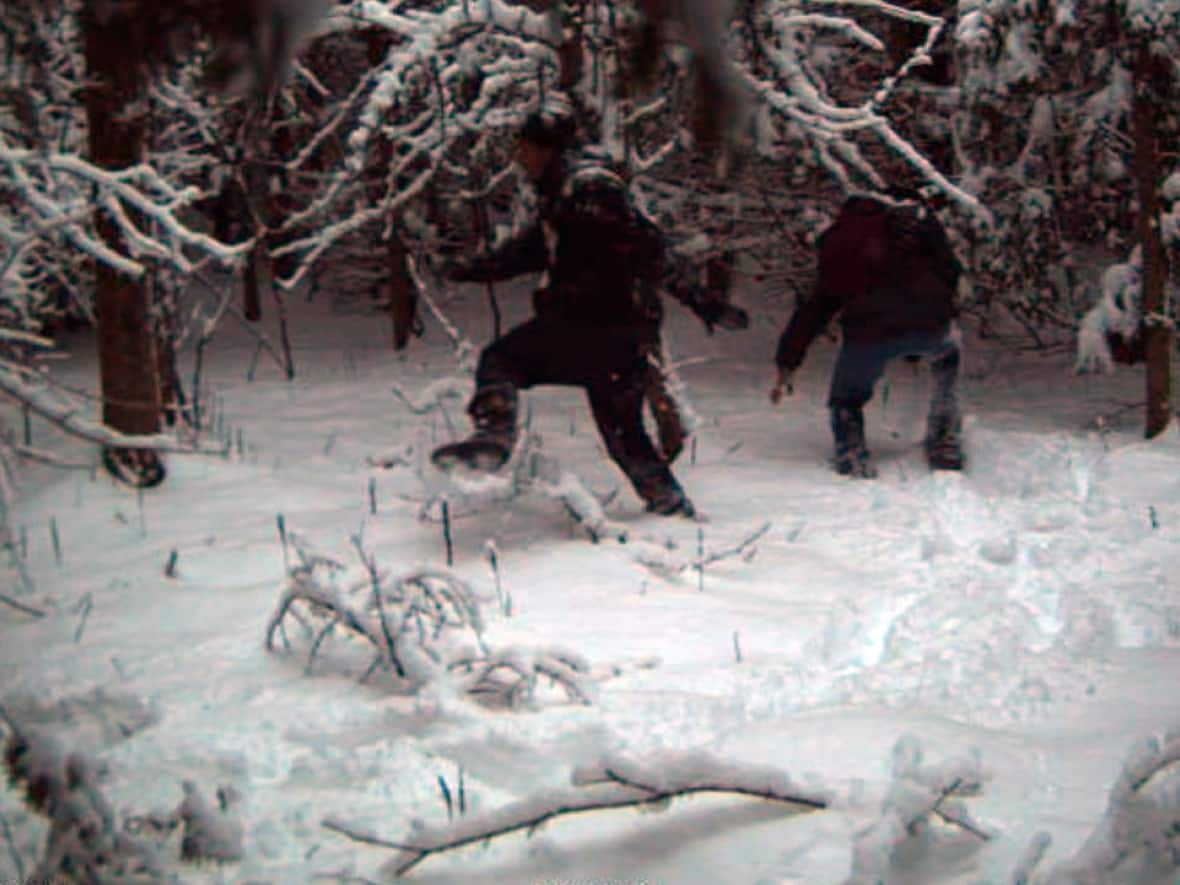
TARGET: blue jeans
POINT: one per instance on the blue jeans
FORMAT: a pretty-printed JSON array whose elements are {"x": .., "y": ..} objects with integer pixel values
[{"x": 861, "y": 364}]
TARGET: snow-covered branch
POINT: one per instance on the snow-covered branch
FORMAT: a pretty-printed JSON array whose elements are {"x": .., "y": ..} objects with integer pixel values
[
  {"x": 30, "y": 389},
  {"x": 1138, "y": 839},
  {"x": 667, "y": 560},
  {"x": 918, "y": 792},
  {"x": 616, "y": 782},
  {"x": 798, "y": 92}
]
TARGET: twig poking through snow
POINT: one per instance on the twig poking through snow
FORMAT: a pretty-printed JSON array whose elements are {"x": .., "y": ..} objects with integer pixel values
[
  {"x": 21, "y": 607},
  {"x": 617, "y": 782},
  {"x": 82, "y": 609},
  {"x": 55, "y": 539},
  {"x": 446, "y": 794},
  {"x": 170, "y": 565},
  {"x": 445, "y": 508},
  {"x": 1032, "y": 855},
  {"x": 505, "y": 601}
]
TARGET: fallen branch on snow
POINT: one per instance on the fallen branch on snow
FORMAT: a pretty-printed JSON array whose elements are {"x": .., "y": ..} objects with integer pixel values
[
  {"x": 663, "y": 558},
  {"x": 66, "y": 415},
  {"x": 617, "y": 782},
  {"x": 1138, "y": 839}
]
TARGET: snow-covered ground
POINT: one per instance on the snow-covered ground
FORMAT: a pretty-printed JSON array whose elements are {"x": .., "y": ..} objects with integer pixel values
[{"x": 1027, "y": 610}]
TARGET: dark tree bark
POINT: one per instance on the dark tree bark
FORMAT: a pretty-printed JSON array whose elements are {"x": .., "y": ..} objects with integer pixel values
[
  {"x": 1158, "y": 336},
  {"x": 403, "y": 295},
  {"x": 117, "y": 124}
]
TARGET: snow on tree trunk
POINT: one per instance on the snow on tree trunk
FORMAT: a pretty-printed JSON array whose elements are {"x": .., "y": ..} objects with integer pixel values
[
  {"x": 1144, "y": 113},
  {"x": 117, "y": 123}
]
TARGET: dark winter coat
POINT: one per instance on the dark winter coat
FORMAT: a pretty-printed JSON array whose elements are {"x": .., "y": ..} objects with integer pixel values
[
  {"x": 886, "y": 268},
  {"x": 605, "y": 260}
]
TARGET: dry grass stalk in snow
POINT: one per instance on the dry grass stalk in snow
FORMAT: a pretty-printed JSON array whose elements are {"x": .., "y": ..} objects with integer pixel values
[
  {"x": 617, "y": 782},
  {"x": 426, "y": 627}
]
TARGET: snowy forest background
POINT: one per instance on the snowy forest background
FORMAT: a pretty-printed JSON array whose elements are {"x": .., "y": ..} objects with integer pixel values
[{"x": 153, "y": 201}]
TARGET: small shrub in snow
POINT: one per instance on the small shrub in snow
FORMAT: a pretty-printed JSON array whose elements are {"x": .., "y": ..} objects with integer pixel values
[
  {"x": 426, "y": 627},
  {"x": 1112, "y": 330},
  {"x": 85, "y": 842}
]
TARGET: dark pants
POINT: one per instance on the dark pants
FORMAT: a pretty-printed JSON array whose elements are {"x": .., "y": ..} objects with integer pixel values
[
  {"x": 611, "y": 364},
  {"x": 861, "y": 364}
]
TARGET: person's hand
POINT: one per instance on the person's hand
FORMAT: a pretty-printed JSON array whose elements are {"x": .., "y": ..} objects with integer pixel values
[
  {"x": 462, "y": 270},
  {"x": 726, "y": 316},
  {"x": 782, "y": 386},
  {"x": 732, "y": 318}
]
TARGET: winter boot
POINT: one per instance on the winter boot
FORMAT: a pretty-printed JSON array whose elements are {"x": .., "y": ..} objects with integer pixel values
[
  {"x": 943, "y": 451},
  {"x": 493, "y": 412},
  {"x": 671, "y": 502},
  {"x": 663, "y": 494},
  {"x": 852, "y": 456},
  {"x": 942, "y": 443}
]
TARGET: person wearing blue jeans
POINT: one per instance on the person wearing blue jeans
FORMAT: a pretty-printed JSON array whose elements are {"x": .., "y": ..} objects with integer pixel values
[{"x": 887, "y": 271}]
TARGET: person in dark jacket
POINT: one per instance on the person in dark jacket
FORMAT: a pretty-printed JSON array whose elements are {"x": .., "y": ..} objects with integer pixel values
[
  {"x": 886, "y": 269},
  {"x": 597, "y": 311}
]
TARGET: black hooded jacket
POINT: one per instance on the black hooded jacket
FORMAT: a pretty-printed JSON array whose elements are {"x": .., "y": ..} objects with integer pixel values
[
  {"x": 886, "y": 268},
  {"x": 605, "y": 260}
]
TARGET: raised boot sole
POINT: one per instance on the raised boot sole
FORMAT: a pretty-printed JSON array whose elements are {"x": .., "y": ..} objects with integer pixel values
[{"x": 480, "y": 455}]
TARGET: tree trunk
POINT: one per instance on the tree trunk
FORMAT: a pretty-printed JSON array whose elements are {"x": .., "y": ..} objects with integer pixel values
[
  {"x": 126, "y": 343},
  {"x": 1158, "y": 336},
  {"x": 403, "y": 295},
  {"x": 254, "y": 278}
]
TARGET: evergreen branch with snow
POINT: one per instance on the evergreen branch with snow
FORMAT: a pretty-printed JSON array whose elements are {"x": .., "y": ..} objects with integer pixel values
[{"x": 616, "y": 782}]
